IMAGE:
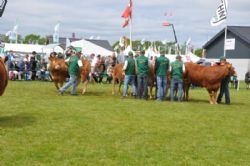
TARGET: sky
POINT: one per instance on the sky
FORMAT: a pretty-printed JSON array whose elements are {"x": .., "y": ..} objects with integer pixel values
[{"x": 102, "y": 18}]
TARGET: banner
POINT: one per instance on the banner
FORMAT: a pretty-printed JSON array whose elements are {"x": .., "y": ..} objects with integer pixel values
[
  {"x": 221, "y": 14},
  {"x": 230, "y": 44}
]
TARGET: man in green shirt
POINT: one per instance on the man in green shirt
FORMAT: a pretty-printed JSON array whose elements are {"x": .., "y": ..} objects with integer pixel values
[
  {"x": 162, "y": 67},
  {"x": 142, "y": 67},
  {"x": 74, "y": 67},
  {"x": 129, "y": 69},
  {"x": 177, "y": 69}
]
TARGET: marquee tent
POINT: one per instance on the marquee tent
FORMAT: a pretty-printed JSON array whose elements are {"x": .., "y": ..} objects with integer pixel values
[{"x": 88, "y": 48}]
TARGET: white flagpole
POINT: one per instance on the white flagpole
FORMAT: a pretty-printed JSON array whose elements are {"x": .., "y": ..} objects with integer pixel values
[
  {"x": 130, "y": 32},
  {"x": 225, "y": 51},
  {"x": 130, "y": 26},
  {"x": 225, "y": 5}
]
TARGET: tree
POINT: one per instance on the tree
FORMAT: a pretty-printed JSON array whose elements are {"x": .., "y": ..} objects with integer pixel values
[
  {"x": 198, "y": 52},
  {"x": 31, "y": 39}
]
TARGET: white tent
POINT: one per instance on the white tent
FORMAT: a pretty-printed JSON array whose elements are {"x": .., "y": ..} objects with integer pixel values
[
  {"x": 23, "y": 48},
  {"x": 89, "y": 48},
  {"x": 52, "y": 48}
]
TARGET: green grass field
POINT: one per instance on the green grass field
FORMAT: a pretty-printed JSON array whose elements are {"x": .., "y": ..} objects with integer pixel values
[{"x": 39, "y": 127}]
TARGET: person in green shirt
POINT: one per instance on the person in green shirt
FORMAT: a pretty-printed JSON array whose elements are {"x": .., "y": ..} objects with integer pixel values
[
  {"x": 129, "y": 69},
  {"x": 74, "y": 66},
  {"x": 177, "y": 69},
  {"x": 161, "y": 68},
  {"x": 142, "y": 68}
]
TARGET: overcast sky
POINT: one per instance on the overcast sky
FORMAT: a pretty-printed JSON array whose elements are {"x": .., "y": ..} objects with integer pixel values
[{"x": 103, "y": 18}]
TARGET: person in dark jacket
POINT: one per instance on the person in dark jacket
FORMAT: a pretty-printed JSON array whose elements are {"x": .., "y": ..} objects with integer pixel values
[{"x": 224, "y": 85}]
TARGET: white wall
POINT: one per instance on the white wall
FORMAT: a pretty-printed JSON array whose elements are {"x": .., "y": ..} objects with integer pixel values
[{"x": 241, "y": 66}]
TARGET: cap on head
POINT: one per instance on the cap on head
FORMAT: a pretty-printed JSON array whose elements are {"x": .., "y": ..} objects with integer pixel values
[
  {"x": 142, "y": 51},
  {"x": 130, "y": 53},
  {"x": 162, "y": 50},
  {"x": 222, "y": 58},
  {"x": 178, "y": 57}
]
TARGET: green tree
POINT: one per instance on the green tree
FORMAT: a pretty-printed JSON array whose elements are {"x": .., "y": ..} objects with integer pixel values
[
  {"x": 32, "y": 38},
  {"x": 198, "y": 52}
]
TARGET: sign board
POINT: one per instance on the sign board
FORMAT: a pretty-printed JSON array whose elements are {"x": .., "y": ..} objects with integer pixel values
[{"x": 230, "y": 44}]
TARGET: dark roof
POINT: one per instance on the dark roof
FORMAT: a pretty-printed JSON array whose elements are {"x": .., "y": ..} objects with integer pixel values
[
  {"x": 243, "y": 32},
  {"x": 102, "y": 43}
]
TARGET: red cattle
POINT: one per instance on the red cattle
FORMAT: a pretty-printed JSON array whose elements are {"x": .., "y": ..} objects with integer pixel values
[
  {"x": 84, "y": 74},
  {"x": 118, "y": 75},
  {"x": 3, "y": 76},
  {"x": 208, "y": 77},
  {"x": 58, "y": 71}
]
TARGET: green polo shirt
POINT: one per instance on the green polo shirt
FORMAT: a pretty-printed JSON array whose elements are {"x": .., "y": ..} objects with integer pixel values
[
  {"x": 142, "y": 66},
  {"x": 177, "y": 70},
  {"x": 130, "y": 70},
  {"x": 73, "y": 65},
  {"x": 162, "y": 65}
]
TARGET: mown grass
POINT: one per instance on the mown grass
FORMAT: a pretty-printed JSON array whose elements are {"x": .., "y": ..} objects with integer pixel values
[{"x": 39, "y": 127}]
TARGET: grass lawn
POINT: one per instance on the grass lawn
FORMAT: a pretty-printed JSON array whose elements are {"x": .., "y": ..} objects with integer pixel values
[{"x": 39, "y": 127}]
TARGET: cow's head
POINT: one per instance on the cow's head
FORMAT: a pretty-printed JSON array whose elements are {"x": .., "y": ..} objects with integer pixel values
[{"x": 231, "y": 69}]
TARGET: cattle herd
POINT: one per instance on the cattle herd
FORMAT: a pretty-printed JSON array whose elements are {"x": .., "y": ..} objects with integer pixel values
[{"x": 203, "y": 76}]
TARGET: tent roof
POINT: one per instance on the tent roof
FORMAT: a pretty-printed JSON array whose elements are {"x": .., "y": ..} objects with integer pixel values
[
  {"x": 24, "y": 48},
  {"x": 90, "y": 47}
]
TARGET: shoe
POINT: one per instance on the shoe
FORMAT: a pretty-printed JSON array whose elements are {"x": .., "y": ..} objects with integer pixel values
[
  {"x": 123, "y": 97},
  {"x": 74, "y": 94}
]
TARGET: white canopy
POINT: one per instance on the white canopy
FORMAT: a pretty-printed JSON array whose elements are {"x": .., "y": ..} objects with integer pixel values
[
  {"x": 23, "y": 48},
  {"x": 89, "y": 48},
  {"x": 52, "y": 48}
]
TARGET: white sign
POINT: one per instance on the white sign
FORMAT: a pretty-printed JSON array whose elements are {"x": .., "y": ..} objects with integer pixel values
[{"x": 230, "y": 44}]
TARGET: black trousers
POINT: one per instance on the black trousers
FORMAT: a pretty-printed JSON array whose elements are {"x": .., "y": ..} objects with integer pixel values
[{"x": 224, "y": 90}]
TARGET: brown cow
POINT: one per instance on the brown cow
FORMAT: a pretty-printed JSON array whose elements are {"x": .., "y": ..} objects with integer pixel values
[
  {"x": 208, "y": 77},
  {"x": 84, "y": 74},
  {"x": 58, "y": 71},
  {"x": 118, "y": 75},
  {"x": 3, "y": 75}
]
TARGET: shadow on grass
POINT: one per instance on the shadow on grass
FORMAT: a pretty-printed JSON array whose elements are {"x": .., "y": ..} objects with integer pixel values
[{"x": 16, "y": 121}]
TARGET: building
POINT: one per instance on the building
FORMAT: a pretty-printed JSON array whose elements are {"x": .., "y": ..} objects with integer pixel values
[{"x": 238, "y": 54}]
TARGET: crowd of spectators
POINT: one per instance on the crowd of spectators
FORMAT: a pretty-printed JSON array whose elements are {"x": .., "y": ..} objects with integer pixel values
[{"x": 29, "y": 67}]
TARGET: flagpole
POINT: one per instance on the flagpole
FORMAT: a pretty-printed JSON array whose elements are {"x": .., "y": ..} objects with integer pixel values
[
  {"x": 130, "y": 33},
  {"x": 225, "y": 51}
]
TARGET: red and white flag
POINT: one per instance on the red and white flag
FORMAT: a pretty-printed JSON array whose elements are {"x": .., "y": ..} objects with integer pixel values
[{"x": 127, "y": 14}]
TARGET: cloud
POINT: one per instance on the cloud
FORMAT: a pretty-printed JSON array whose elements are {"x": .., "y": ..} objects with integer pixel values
[{"x": 103, "y": 18}]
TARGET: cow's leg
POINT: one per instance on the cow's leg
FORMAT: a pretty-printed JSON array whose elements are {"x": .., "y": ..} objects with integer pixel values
[
  {"x": 56, "y": 84},
  {"x": 211, "y": 96},
  {"x": 113, "y": 85},
  {"x": 61, "y": 84},
  {"x": 150, "y": 92},
  {"x": 215, "y": 97},
  {"x": 85, "y": 84},
  {"x": 120, "y": 84}
]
